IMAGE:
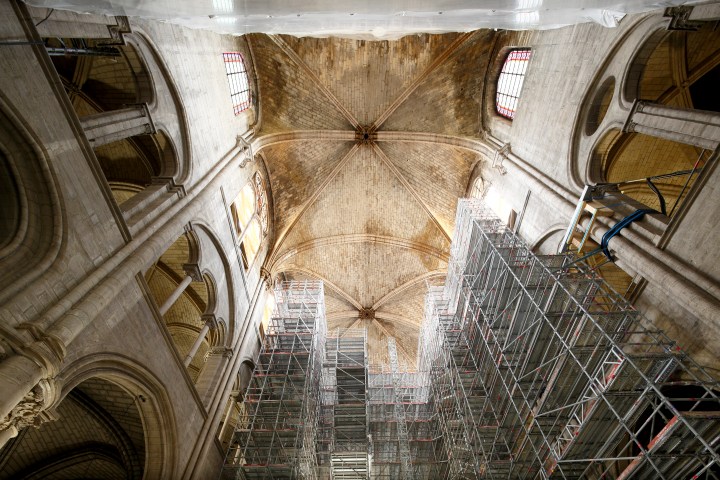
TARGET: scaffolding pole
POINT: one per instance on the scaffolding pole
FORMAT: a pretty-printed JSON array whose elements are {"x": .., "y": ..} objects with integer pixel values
[
  {"x": 542, "y": 371},
  {"x": 278, "y": 440},
  {"x": 402, "y": 431},
  {"x": 345, "y": 385},
  {"x": 529, "y": 367}
]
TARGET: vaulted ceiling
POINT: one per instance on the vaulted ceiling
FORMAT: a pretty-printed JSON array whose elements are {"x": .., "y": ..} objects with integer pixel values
[{"x": 363, "y": 198}]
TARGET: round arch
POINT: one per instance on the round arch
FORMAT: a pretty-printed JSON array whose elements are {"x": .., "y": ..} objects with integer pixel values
[
  {"x": 605, "y": 104},
  {"x": 168, "y": 109},
  {"x": 215, "y": 265},
  {"x": 154, "y": 404}
]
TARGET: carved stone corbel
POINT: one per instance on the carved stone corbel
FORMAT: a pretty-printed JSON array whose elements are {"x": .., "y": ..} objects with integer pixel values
[
  {"x": 246, "y": 150},
  {"x": 210, "y": 320},
  {"x": 500, "y": 156},
  {"x": 680, "y": 18},
  {"x": 118, "y": 31}
]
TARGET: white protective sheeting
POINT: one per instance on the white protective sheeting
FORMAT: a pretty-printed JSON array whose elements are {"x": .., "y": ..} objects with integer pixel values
[{"x": 369, "y": 19}]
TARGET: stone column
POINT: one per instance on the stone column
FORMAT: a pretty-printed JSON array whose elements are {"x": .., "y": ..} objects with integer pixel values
[
  {"x": 210, "y": 323},
  {"x": 210, "y": 375},
  {"x": 232, "y": 400},
  {"x": 193, "y": 275},
  {"x": 692, "y": 127},
  {"x": 107, "y": 127},
  {"x": 65, "y": 320},
  {"x": 175, "y": 295}
]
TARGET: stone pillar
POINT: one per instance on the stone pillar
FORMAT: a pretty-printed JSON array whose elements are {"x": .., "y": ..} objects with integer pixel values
[
  {"x": 210, "y": 323},
  {"x": 692, "y": 127},
  {"x": 209, "y": 378},
  {"x": 107, "y": 127},
  {"x": 232, "y": 400},
  {"x": 193, "y": 275},
  {"x": 65, "y": 320},
  {"x": 30, "y": 411},
  {"x": 175, "y": 295}
]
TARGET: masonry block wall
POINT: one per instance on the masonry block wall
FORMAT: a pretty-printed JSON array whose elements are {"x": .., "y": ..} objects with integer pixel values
[{"x": 363, "y": 148}]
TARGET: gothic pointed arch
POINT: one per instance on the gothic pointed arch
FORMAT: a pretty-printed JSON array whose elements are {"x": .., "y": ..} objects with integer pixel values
[{"x": 31, "y": 205}]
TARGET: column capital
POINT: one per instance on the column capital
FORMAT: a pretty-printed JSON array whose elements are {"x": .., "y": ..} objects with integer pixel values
[
  {"x": 501, "y": 155},
  {"x": 169, "y": 183},
  {"x": 266, "y": 277},
  {"x": 193, "y": 271},
  {"x": 210, "y": 320},
  {"x": 145, "y": 111},
  {"x": 221, "y": 351},
  {"x": 32, "y": 409},
  {"x": 637, "y": 107},
  {"x": 245, "y": 149}
]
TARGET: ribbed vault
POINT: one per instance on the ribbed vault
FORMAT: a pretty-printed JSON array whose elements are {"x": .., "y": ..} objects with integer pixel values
[{"x": 373, "y": 219}]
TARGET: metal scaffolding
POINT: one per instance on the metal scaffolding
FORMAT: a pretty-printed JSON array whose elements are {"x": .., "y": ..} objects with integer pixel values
[
  {"x": 344, "y": 451},
  {"x": 403, "y": 424},
  {"x": 282, "y": 401},
  {"x": 529, "y": 367},
  {"x": 540, "y": 370}
]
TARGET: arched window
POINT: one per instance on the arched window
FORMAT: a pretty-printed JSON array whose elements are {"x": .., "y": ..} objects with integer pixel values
[
  {"x": 238, "y": 81},
  {"x": 478, "y": 188},
  {"x": 267, "y": 312},
  {"x": 510, "y": 82},
  {"x": 243, "y": 208},
  {"x": 251, "y": 241},
  {"x": 250, "y": 218}
]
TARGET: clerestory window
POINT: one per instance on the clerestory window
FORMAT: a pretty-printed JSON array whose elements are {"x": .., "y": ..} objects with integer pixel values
[
  {"x": 510, "y": 82},
  {"x": 250, "y": 218},
  {"x": 238, "y": 80}
]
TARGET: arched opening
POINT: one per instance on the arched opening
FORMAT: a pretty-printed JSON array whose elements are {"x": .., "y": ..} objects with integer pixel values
[
  {"x": 249, "y": 211},
  {"x": 31, "y": 218},
  {"x": 677, "y": 69},
  {"x": 636, "y": 157},
  {"x": 510, "y": 82},
  {"x": 631, "y": 158},
  {"x": 183, "y": 296},
  {"x": 478, "y": 188},
  {"x": 238, "y": 81},
  {"x": 599, "y": 105},
  {"x": 98, "y": 76},
  {"x": 10, "y": 208},
  {"x": 103, "y": 79},
  {"x": 99, "y": 433}
]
